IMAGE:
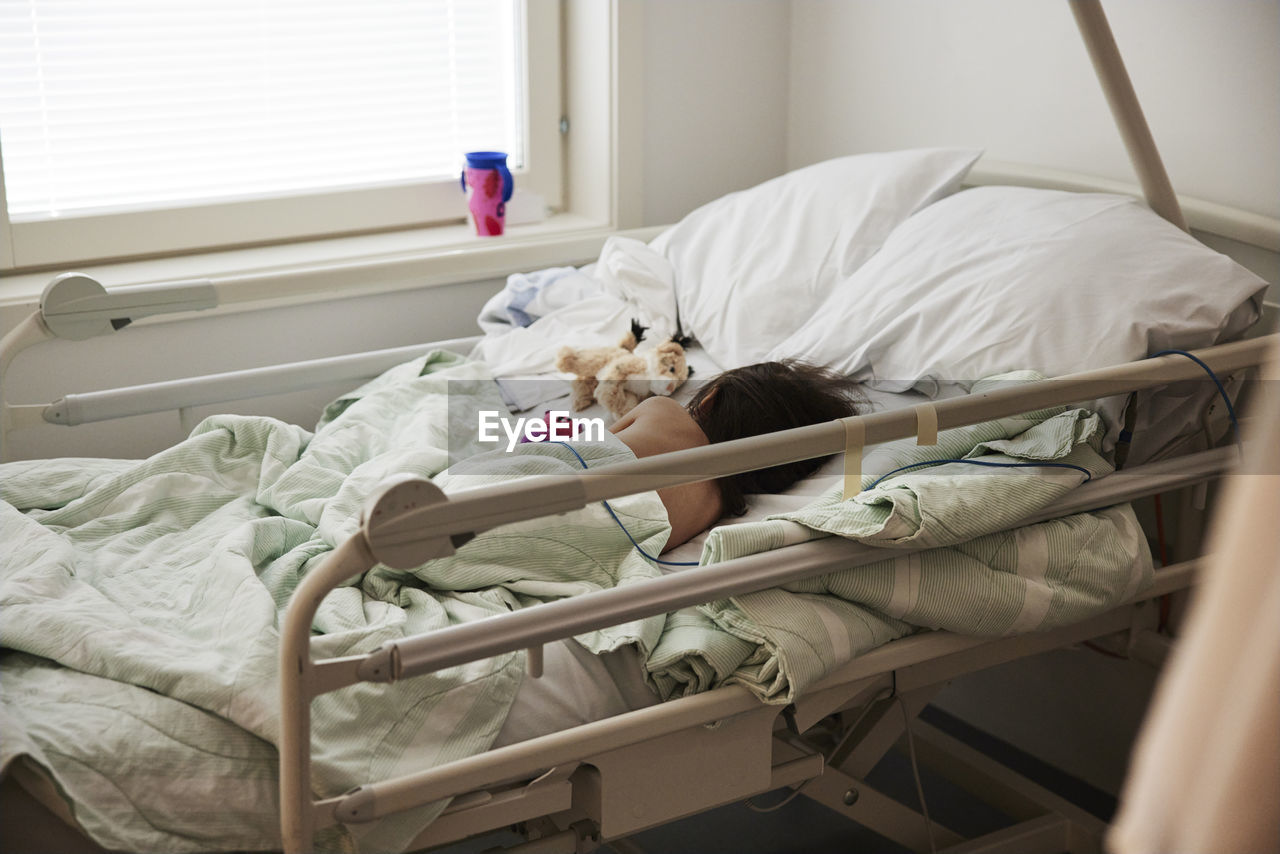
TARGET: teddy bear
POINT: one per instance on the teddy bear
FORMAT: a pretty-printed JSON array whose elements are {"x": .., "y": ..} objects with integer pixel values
[{"x": 620, "y": 377}]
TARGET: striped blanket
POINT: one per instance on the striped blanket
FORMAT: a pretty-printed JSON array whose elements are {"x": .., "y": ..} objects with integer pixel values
[
  {"x": 140, "y": 601},
  {"x": 972, "y": 579}
]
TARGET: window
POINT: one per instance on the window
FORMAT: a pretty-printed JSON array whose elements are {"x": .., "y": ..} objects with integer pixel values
[{"x": 136, "y": 127}]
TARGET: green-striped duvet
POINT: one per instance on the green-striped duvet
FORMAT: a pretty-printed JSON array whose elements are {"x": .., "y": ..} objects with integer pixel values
[
  {"x": 970, "y": 580},
  {"x": 139, "y": 604},
  {"x": 139, "y": 600}
]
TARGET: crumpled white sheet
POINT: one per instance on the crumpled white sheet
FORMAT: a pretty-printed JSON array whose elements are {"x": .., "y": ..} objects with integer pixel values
[
  {"x": 632, "y": 282},
  {"x": 529, "y": 296}
]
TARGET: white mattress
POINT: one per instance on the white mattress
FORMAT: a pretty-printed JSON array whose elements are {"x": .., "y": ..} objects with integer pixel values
[{"x": 578, "y": 687}]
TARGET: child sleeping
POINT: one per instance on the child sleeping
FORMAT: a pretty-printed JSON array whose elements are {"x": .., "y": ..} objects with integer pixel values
[{"x": 746, "y": 401}]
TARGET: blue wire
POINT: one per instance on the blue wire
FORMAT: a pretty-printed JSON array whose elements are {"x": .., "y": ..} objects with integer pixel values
[
  {"x": 573, "y": 451},
  {"x": 1231, "y": 413},
  {"x": 1231, "y": 410},
  {"x": 1088, "y": 476}
]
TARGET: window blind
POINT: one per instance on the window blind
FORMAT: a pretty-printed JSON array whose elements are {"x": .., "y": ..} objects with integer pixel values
[{"x": 134, "y": 104}]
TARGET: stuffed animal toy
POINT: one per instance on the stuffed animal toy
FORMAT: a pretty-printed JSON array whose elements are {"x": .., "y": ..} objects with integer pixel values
[{"x": 620, "y": 377}]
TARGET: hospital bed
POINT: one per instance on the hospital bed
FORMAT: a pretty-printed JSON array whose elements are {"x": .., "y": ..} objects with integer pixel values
[
  {"x": 598, "y": 782},
  {"x": 602, "y": 781}
]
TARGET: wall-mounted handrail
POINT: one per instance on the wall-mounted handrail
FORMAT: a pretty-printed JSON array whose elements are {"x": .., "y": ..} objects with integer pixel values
[
  {"x": 168, "y": 395},
  {"x": 1202, "y": 215}
]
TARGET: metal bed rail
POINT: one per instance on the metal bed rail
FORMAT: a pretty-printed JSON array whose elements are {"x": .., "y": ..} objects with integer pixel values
[
  {"x": 568, "y": 617},
  {"x": 915, "y": 661},
  {"x": 108, "y": 404},
  {"x": 521, "y": 777},
  {"x": 180, "y": 394},
  {"x": 412, "y": 521}
]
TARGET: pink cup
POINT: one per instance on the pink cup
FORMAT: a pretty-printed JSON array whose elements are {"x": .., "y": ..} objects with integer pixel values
[{"x": 488, "y": 184}]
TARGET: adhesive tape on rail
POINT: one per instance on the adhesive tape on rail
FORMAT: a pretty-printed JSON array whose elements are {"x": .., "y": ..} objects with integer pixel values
[
  {"x": 855, "y": 436},
  {"x": 926, "y": 424}
]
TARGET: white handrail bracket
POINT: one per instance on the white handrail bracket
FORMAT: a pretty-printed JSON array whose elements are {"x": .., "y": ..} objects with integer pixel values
[{"x": 381, "y": 526}]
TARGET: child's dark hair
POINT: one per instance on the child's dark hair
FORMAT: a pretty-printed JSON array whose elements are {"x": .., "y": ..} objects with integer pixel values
[{"x": 764, "y": 398}]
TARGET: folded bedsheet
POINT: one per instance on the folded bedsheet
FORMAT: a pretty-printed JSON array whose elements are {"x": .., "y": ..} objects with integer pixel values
[
  {"x": 974, "y": 578},
  {"x": 141, "y": 601}
]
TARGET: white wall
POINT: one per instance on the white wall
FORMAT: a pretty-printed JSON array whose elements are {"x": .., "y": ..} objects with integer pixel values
[
  {"x": 1012, "y": 76},
  {"x": 737, "y": 91},
  {"x": 714, "y": 85},
  {"x": 715, "y": 100}
]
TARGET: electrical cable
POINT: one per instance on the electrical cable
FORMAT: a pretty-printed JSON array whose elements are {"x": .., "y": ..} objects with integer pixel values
[
  {"x": 624, "y": 527},
  {"x": 1165, "y": 601},
  {"x": 1160, "y": 547},
  {"x": 1088, "y": 476},
  {"x": 1231, "y": 412},
  {"x": 791, "y": 796},
  {"x": 828, "y": 756},
  {"x": 1222, "y": 392},
  {"x": 915, "y": 772}
]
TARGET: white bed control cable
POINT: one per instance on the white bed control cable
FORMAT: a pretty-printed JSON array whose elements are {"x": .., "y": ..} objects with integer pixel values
[
  {"x": 848, "y": 732},
  {"x": 915, "y": 772},
  {"x": 573, "y": 451}
]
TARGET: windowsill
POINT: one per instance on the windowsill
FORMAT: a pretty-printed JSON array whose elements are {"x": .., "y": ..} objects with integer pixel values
[
  {"x": 337, "y": 268},
  {"x": 602, "y": 47}
]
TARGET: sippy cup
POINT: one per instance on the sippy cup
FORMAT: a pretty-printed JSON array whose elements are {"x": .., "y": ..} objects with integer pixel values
[{"x": 489, "y": 182}]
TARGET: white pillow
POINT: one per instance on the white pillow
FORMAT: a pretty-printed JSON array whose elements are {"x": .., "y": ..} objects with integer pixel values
[
  {"x": 751, "y": 267},
  {"x": 995, "y": 279}
]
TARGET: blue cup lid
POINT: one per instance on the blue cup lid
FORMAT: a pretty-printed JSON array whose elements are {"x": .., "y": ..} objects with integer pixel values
[{"x": 486, "y": 159}]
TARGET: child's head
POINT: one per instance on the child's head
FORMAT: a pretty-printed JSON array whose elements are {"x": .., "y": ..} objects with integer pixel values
[{"x": 765, "y": 398}]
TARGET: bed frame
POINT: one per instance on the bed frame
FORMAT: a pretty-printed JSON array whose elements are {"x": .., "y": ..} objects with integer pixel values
[
  {"x": 573, "y": 790},
  {"x": 603, "y": 772}
]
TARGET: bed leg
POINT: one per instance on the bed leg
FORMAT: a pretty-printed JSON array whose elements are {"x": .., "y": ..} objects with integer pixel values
[
  {"x": 580, "y": 837},
  {"x": 30, "y": 331},
  {"x": 854, "y": 799},
  {"x": 1191, "y": 523},
  {"x": 1033, "y": 806}
]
